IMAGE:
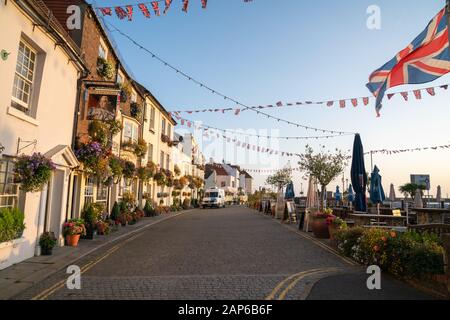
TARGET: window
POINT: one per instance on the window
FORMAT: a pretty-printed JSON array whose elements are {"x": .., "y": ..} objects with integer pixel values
[
  {"x": 133, "y": 96},
  {"x": 161, "y": 160},
  {"x": 233, "y": 184},
  {"x": 169, "y": 130},
  {"x": 9, "y": 191},
  {"x": 163, "y": 126},
  {"x": 222, "y": 184},
  {"x": 89, "y": 191},
  {"x": 23, "y": 78},
  {"x": 150, "y": 152},
  {"x": 102, "y": 193},
  {"x": 102, "y": 51},
  {"x": 120, "y": 77},
  {"x": 152, "y": 118},
  {"x": 168, "y": 162},
  {"x": 130, "y": 132}
]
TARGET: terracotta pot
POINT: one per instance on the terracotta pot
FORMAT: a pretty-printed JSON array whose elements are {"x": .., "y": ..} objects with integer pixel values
[
  {"x": 332, "y": 229},
  {"x": 320, "y": 228},
  {"x": 72, "y": 240}
]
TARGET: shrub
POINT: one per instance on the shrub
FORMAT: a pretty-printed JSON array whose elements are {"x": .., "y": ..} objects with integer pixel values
[
  {"x": 135, "y": 110},
  {"x": 347, "y": 239},
  {"x": 11, "y": 224},
  {"x": 407, "y": 254},
  {"x": 148, "y": 209},
  {"x": 47, "y": 240},
  {"x": 115, "y": 212}
]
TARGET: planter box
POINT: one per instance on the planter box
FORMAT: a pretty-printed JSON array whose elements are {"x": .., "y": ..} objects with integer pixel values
[{"x": 10, "y": 253}]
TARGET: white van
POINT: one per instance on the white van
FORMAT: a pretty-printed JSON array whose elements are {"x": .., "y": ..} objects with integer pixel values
[{"x": 214, "y": 197}]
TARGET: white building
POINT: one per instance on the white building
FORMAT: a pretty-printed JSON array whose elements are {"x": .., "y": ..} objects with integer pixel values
[{"x": 38, "y": 90}]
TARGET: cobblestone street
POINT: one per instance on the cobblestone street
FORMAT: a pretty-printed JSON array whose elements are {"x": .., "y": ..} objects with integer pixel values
[{"x": 232, "y": 253}]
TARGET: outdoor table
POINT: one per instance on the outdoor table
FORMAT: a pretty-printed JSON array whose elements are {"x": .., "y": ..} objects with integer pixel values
[
  {"x": 429, "y": 216},
  {"x": 363, "y": 219}
]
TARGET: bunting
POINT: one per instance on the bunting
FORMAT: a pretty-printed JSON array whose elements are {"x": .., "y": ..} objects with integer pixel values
[
  {"x": 155, "y": 6},
  {"x": 185, "y": 5},
  {"x": 168, "y": 3},
  {"x": 342, "y": 103}
]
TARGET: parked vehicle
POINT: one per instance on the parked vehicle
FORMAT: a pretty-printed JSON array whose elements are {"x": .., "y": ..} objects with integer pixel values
[{"x": 214, "y": 197}]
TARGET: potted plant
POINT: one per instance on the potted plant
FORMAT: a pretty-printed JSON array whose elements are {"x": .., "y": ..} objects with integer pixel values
[
  {"x": 125, "y": 92},
  {"x": 47, "y": 242},
  {"x": 148, "y": 209},
  {"x": 334, "y": 225},
  {"x": 320, "y": 224},
  {"x": 140, "y": 148},
  {"x": 72, "y": 230},
  {"x": 90, "y": 217},
  {"x": 102, "y": 228},
  {"x": 33, "y": 172}
]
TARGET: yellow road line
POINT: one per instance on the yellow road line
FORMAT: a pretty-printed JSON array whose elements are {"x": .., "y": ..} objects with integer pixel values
[
  {"x": 282, "y": 283},
  {"x": 320, "y": 244},
  {"x": 48, "y": 292},
  {"x": 283, "y": 294}
]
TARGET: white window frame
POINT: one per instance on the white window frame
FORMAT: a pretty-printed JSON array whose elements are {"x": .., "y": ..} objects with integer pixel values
[
  {"x": 120, "y": 77},
  {"x": 7, "y": 178},
  {"x": 89, "y": 192},
  {"x": 161, "y": 157},
  {"x": 152, "y": 118},
  {"x": 25, "y": 106},
  {"x": 150, "y": 152},
  {"x": 134, "y": 131},
  {"x": 163, "y": 126},
  {"x": 133, "y": 95},
  {"x": 104, "y": 47}
]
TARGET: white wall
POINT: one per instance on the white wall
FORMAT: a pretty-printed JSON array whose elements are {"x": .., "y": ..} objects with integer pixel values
[{"x": 53, "y": 124}]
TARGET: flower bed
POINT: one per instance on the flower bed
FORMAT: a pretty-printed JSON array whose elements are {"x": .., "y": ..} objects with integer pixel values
[{"x": 408, "y": 255}]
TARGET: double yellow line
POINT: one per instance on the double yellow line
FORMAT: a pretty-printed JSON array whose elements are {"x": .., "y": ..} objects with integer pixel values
[
  {"x": 59, "y": 285},
  {"x": 285, "y": 286}
]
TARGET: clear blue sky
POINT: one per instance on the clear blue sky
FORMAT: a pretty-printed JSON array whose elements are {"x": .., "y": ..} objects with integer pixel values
[{"x": 270, "y": 50}]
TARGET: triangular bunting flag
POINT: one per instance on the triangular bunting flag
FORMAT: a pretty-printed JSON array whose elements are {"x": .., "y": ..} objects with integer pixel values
[
  {"x": 155, "y": 5},
  {"x": 390, "y": 95},
  {"x": 342, "y": 103},
  {"x": 405, "y": 95},
  {"x": 144, "y": 10},
  {"x": 185, "y": 5},
  {"x": 431, "y": 91},
  {"x": 204, "y": 3},
  {"x": 106, "y": 11},
  {"x": 168, "y": 3},
  {"x": 355, "y": 102},
  {"x": 130, "y": 12},
  {"x": 418, "y": 94},
  {"x": 121, "y": 14},
  {"x": 330, "y": 103},
  {"x": 366, "y": 101}
]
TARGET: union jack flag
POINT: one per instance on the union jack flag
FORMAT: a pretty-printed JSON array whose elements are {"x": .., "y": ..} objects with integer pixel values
[{"x": 425, "y": 59}]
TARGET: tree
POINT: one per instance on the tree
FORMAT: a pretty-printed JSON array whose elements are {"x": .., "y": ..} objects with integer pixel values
[
  {"x": 280, "y": 179},
  {"x": 409, "y": 189},
  {"x": 323, "y": 166}
]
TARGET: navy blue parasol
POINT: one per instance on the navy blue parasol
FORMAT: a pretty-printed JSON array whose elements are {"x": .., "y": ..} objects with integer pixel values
[{"x": 359, "y": 175}]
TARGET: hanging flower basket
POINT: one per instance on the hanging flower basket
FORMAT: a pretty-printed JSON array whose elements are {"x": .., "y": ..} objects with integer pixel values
[
  {"x": 160, "y": 178},
  {"x": 33, "y": 172},
  {"x": 129, "y": 170},
  {"x": 136, "y": 110},
  {"x": 105, "y": 69}
]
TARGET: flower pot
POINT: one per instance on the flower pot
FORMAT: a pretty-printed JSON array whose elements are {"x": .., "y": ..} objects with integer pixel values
[
  {"x": 46, "y": 251},
  {"x": 72, "y": 240},
  {"x": 332, "y": 229},
  {"x": 90, "y": 232},
  {"x": 320, "y": 228}
]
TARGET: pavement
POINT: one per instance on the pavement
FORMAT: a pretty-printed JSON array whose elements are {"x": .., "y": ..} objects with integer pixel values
[{"x": 231, "y": 253}]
